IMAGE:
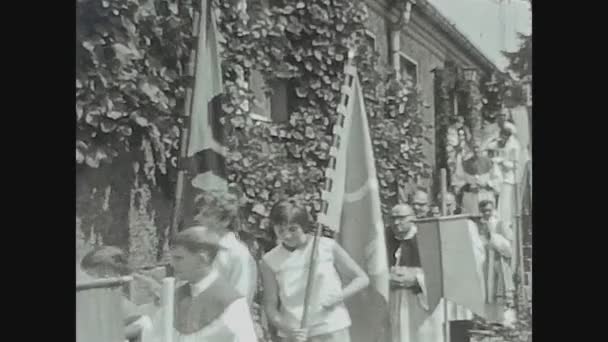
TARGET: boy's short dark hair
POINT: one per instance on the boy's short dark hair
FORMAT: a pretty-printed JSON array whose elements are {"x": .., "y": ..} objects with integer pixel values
[
  {"x": 109, "y": 257},
  {"x": 290, "y": 211},
  {"x": 198, "y": 239}
]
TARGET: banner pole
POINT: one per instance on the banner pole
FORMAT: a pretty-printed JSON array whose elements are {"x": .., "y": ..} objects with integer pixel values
[
  {"x": 444, "y": 191},
  {"x": 311, "y": 271}
]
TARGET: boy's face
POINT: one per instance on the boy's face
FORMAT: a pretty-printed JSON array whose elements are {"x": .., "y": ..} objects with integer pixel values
[{"x": 186, "y": 265}]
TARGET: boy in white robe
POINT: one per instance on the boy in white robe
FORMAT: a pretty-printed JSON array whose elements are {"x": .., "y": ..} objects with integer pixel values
[
  {"x": 219, "y": 211},
  {"x": 207, "y": 307}
]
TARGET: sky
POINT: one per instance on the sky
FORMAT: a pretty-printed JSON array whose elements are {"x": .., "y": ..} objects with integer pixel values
[{"x": 479, "y": 20}]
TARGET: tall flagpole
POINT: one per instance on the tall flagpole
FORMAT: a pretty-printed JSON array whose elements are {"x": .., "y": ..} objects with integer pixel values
[
  {"x": 444, "y": 192},
  {"x": 519, "y": 289},
  {"x": 315, "y": 246},
  {"x": 185, "y": 127},
  {"x": 311, "y": 272}
]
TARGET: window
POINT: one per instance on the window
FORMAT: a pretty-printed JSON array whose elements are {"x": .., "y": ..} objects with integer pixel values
[
  {"x": 273, "y": 100},
  {"x": 408, "y": 69}
]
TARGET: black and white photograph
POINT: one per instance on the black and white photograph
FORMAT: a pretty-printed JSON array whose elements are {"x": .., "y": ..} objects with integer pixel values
[{"x": 303, "y": 171}]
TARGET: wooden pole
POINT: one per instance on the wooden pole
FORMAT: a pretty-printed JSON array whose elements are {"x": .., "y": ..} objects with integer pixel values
[
  {"x": 311, "y": 271},
  {"x": 446, "y": 318},
  {"x": 185, "y": 128},
  {"x": 519, "y": 269},
  {"x": 168, "y": 308}
]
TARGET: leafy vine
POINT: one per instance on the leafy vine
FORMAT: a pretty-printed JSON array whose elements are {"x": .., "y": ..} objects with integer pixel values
[
  {"x": 131, "y": 85},
  {"x": 307, "y": 44}
]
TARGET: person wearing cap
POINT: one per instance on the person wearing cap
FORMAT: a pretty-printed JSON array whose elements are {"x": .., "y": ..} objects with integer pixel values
[
  {"x": 410, "y": 321},
  {"x": 207, "y": 307},
  {"x": 219, "y": 211}
]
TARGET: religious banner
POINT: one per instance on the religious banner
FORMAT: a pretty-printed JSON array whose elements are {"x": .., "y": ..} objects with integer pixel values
[
  {"x": 452, "y": 258},
  {"x": 353, "y": 209}
]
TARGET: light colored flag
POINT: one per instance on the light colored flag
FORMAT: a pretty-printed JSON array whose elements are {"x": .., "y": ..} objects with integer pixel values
[
  {"x": 452, "y": 258},
  {"x": 353, "y": 209}
]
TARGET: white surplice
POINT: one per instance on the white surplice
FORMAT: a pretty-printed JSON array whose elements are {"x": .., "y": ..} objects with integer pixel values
[
  {"x": 236, "y": 264},
  {"x": 234, "y": 324}
]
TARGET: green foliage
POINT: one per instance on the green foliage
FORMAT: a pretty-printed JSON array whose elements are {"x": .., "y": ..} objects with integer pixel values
[
  {"x": 520, "y": 61},
  {"x": 130, "y": 83},
  {"x": 306, "y": 44}
]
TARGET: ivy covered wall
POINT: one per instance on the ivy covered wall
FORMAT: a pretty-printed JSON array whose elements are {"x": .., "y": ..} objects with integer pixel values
[{"x": 131, "y": 88}]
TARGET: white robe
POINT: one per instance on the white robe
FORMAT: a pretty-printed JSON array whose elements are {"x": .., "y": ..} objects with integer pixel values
[
  {"x": 508, "y": 159},
  {"x": 234, "y": 324}
]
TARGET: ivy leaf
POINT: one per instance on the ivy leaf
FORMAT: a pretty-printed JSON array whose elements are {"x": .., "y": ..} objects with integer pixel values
[
  {"x": 140, "y": 120},
  {"x": 114, "y": 115},
  {"x": 260, "y": 209},
  {"x": 108, "y": 126},
  {"x": 79, "y": 110},
  {"x": 310, "y": 133},
  {"x": 125, "y": 54},
  {"x": 302, "y": 92},
  {"x": 79, "y": 156},
  {"x": 125, "y": 130},
  {"x": 93, "y": 117},
  {"x": 318, "y": 55}
]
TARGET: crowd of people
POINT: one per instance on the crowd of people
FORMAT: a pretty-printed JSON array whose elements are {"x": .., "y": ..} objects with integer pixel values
[{"x": 218, "y": 277}]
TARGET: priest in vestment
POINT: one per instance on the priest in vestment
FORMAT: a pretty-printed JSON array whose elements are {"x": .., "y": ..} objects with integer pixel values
[
  {"x": 497, "y": 238},
  {"x": 492, "y": 132},
  {"x": 475, "y": 181},
  {"x": 207, "y": 307},
  {"x": 459, "y": 316},
  {"x": 410, "y": 320},
  {"x": 507, "y": 157}
]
